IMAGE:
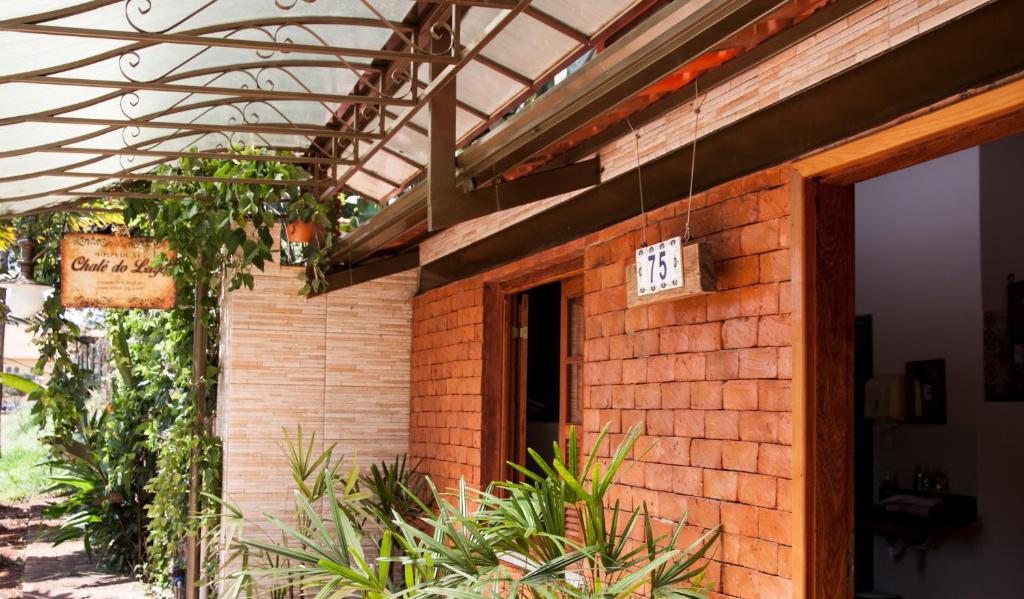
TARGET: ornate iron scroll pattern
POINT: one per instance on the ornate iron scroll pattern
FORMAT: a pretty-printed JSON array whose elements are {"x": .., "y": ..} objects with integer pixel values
[
  {"x": 280, "y": 47},
  {"x": 143, "y": 8}
]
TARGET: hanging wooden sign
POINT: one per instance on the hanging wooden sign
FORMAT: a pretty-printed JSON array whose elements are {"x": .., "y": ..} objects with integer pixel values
[
  {"x": 110, "y": 271},
  {"x": 668, "y": 270}
]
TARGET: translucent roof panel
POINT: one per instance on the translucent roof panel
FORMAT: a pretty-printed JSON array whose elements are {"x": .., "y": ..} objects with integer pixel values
[
  {"x": 545, "y": 46},
  {"x": 589, "y": 22},
  {"x": 94, "y": 92}
]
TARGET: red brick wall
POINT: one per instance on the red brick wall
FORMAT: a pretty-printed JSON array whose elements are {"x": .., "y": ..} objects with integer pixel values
[
  {"x": 447, "y": 362},
  {"x": 707, "y": 377}
]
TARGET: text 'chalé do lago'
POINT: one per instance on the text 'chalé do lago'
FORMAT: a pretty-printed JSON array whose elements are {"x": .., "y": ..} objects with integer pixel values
[{"x": 143, "y": 266}]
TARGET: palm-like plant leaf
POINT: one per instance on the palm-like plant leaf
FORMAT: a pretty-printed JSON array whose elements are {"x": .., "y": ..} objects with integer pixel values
[{"x": 508, "y": 540}]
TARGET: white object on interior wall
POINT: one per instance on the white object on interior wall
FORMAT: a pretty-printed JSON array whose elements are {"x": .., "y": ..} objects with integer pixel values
[{"x": 884, "y": 397}]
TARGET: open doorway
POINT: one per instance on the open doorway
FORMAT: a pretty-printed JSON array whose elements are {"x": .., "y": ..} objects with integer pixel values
[
  {"x": 545, "y": 370},
  {"x": 939, "y": 367}
]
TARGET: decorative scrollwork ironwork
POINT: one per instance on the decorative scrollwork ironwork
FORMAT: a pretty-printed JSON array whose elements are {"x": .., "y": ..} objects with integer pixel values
[
  {"x": 131, "y": 60},
  {"x": 285, "y": 5},
  {"x": 128, "y": 99},
  {"x": 438, "y": 32},
  {"x": 144, "y": 7}
]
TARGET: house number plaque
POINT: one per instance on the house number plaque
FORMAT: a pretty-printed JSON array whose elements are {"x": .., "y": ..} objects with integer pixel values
[{"x": 659, "y": 267}]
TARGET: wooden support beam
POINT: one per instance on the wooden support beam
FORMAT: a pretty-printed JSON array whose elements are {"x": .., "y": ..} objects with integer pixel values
[
  {"x": 823, "y": 382},
  {"x": 347, "y": 277},
  {"x": 848, "y": 162},
  {"x": 441, "y": 158},
  {"x": 517, "y": 192}
]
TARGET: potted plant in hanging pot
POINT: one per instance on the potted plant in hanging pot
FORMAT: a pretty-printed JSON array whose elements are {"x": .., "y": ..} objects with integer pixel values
[
  {"x": 324, "y": 217},
  {"x": 301, "y": 231},
  {"x": 305, "y": 217}
]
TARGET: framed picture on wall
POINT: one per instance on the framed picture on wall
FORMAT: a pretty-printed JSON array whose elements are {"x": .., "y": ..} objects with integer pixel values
[
  {"x": 1004, "y": 347},
  {"x": 926, "y": 392}
]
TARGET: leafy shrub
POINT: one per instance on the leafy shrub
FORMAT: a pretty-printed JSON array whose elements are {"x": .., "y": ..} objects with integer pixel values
[{"x": 96, "y": 502}]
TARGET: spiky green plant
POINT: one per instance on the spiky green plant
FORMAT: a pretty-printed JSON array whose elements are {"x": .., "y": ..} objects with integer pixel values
[{"x": 508, "y": 540}]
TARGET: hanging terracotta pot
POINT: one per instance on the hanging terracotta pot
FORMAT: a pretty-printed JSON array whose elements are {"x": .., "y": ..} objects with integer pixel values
[{"x": 300, "y": 231}]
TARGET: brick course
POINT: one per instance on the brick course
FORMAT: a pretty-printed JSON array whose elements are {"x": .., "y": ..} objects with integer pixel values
[{"x": 447, "y": 364}]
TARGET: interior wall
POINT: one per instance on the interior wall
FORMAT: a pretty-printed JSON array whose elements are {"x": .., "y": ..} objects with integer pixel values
[
  {"x": 1000, "y": 442},
  {"x": 337, "y": 364},
  {"x": 920, "y": 235}
]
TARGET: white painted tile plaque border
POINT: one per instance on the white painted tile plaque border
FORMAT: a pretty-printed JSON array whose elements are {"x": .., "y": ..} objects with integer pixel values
[{"x": 659, "y": 267}]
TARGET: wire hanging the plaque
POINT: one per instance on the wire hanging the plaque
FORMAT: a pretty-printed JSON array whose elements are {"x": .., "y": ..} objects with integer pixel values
[{"x": 672, "y": 268}]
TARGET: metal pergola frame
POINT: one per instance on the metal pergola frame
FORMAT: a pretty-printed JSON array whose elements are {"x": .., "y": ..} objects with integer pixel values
[
  {"x": 647, "y": 54},
  {"x": 389, "y": 93},
  {"x": 531, "y": 85},
  {"x": 401, "y": 56},
  {"x": 361, "y": 124}
]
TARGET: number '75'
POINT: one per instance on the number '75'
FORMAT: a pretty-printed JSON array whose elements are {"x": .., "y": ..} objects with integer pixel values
[{"x": 662, "y": 265}]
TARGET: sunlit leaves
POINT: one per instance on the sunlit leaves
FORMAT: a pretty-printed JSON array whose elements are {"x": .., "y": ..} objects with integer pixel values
[
  {"x": 508, "y": 540},
  {"x": 219, "y": 232}
]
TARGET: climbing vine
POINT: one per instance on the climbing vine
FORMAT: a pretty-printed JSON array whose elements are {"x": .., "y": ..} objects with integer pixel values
[
  {"x": 218, "y": 232},
  {"x": 135, "y": 451}
]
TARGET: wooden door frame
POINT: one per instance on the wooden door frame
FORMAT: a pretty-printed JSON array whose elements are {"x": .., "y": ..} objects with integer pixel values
[
  {"x": 497, "y": 401},
  {"x": 822, "y": 254},
  {"x": 572, "y": 287},
  {"x": 823, "y": 385}
]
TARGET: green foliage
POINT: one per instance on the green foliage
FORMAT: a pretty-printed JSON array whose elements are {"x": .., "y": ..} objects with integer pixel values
[
  {"x": 325, "y": 213},
  {"x": 218, "y": 232},
  {"x": 230, "y": 224},
  {"x": 213, "y": 222},
  {"x": 307, "y": 208},
  {"x": 22, "y": 470},
  {"x": 151, "y": 352},
  {"x": 117, "y": 454},
  {"x": 19, "y": 383},
  {"x": 99, "y": 458},
  {"x": 336, "y": 217},
  {"x": 395, "y": 489},
  {"x": 508, "y": 540},
  {"x": 62, "y": 404},
  {"x": 356, "y": 211},
  {"x": 140, "y": 451},
  {"x": 98, "y": 501}
]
